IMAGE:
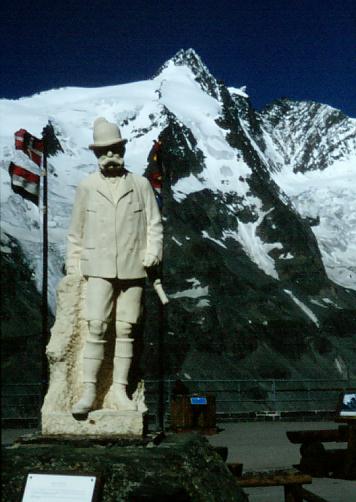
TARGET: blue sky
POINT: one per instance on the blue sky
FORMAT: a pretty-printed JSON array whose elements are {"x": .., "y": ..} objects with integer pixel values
[{"x": 301, "y": 49}]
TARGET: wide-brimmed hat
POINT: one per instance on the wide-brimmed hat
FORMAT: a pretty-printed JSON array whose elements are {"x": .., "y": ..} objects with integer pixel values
[{"x": 105, "y": 134}]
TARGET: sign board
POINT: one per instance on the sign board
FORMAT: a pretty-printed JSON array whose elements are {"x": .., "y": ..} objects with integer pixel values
[
  {"x": 198, "y": 400},
  {"x": 347, "y": 407},
  {"x": 54, "y": 487}
]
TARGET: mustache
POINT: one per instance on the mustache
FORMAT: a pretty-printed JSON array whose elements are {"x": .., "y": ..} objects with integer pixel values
[{"x": 106, "y": 162}]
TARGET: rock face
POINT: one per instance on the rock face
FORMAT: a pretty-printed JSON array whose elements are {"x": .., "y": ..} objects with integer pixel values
[
  {"x": 183, "y": 467},
  {"x": 21, "y": 321},
  {"x": 64, "y": 353},
  {"x": 248, "y": 285},
  {"x": 308, "y": 135},
  {"x": 315, "y": 145}
]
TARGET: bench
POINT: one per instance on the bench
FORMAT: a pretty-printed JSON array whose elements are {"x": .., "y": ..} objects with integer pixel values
[
  {"x": 291, "y": 479},
  {"x": 327, "y": 435},
  {"x": 319, "y": 461}
]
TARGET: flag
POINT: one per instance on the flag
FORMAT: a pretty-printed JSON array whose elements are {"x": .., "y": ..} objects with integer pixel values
[
  {"x": 24, "y": 183},
  {"x": 50, "y": 141},
  {"x": 154, "y": 171},
  {"x": 31, "y": 146}
]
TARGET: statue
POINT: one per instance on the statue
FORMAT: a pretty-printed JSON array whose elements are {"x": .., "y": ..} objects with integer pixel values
[{"x": 115, "y": 235}]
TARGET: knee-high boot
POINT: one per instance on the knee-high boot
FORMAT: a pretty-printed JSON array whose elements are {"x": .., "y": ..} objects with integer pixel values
[
  {"x": 122, "y": 363},
  {"x": 92, "y": 360}
]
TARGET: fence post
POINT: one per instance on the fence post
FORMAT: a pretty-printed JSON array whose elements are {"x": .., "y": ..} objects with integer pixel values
[
  {"x": 168, "y": 401},
  {"x": 274, "y": 394},
  {"x": 308, "y": 394}
]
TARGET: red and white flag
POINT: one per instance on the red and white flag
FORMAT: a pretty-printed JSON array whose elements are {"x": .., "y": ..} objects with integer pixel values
[
  {"x": 30, "y": 145},
  {"x": 154, "y": 170},
  {"x": 24, "y": 182}
]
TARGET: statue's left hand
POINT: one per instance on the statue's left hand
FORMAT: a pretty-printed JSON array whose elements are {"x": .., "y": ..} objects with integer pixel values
[{"x": 150, "y": 260}]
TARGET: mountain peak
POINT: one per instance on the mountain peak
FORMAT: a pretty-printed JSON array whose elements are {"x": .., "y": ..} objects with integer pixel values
[
  {"x": 190, "y": 59},
  {"x": 287, "y": 105}
]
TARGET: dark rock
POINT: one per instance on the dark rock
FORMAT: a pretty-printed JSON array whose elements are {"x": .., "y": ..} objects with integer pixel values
[{"x": 184, "y": 467}]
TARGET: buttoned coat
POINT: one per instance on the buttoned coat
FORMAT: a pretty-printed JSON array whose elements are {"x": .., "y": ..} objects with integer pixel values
[{"x": 110, "y": 233}]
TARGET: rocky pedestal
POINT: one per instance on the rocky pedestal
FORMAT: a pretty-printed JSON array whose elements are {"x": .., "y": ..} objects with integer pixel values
[
  {"x": 182, "y": 467},
  {"x": 103, "y": 422},
  {"x": 64, "y": 353}
]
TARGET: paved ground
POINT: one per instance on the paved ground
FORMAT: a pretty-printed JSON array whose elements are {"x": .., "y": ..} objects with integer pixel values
[
  {"x": 264, "y": 445},
  {"x": 259, "y": 446}
]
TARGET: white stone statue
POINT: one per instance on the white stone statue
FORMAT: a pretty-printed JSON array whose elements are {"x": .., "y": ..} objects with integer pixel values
[{"x": 115, "y": 234}]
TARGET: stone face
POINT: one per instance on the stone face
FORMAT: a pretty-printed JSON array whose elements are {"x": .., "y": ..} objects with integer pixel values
[
  {"x": 228, "y": 317},
  {"x": 20, "y": 322},
  {"x": 183, "y": 467},
  {"x": 64, "y": 353}
]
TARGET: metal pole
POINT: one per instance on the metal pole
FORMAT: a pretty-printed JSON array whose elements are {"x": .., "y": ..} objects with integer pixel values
[
  {"x": 274, "y": 395},
  {"x": 161, "y": 392},
  {"x": 161, "y": 403},
  {"x": 155, "y": 165},
  {"x": 44, "y": 376}
]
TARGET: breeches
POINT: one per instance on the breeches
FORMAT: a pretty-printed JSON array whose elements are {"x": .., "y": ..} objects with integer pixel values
[{"x": 104, "y": 296}]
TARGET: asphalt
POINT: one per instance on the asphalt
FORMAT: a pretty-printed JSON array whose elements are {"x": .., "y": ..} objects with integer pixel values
[{"x": 262, "y": 446}]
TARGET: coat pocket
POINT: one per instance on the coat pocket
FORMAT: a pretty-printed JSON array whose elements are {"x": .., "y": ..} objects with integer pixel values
[
  {"x": 90, "y": 231},
  {"x": 137, "y": 207}
]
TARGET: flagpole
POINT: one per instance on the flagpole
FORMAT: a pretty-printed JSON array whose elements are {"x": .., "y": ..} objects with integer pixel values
[
  {"x": 44, "y": 376},
  {"x": 154, "y": 173},
  {"x": 161, "y": 355},
  {"x": 161, "y": 407}
]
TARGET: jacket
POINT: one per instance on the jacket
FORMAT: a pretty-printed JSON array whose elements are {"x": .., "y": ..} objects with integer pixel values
[{"x": 110, "y": 236}]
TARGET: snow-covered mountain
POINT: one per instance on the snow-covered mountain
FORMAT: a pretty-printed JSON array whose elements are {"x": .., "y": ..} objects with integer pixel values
[
  {"x": 260, "y": 216},
  {"x": 313, "y": 149}
]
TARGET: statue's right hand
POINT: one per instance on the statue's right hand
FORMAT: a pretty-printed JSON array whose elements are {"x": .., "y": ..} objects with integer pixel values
[{"x": 150, "y": 260}]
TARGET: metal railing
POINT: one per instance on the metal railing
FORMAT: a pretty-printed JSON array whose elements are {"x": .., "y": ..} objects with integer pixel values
[
  {"x": 258, "y": 398},
  {"x": 21, "y": 404}
]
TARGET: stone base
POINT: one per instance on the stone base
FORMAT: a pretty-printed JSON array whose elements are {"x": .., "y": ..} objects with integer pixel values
[
  {"x": 99, "y": 422},
  {"x": 181, "y": 467}
]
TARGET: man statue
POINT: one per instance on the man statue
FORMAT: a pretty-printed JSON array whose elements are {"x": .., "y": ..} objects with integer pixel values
[{"x": 115, "y": 235}]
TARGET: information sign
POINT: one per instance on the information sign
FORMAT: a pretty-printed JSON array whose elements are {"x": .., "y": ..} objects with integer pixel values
[
  {"x": 44, "y": 487},
  {"x": 348, "y": 405},
  {"x": 198, "y": 400}
]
